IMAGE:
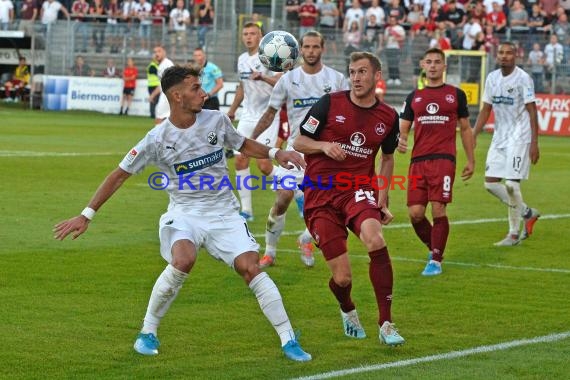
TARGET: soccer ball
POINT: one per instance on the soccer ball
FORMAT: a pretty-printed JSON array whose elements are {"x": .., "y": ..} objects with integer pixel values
[{"x": 278, "y": 51}]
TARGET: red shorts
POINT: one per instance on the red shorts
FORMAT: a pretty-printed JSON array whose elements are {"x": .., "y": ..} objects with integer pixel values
[
  {"x": 433, "y": 181},
  {"x": 328, "y": 222},
  {"x": 283, "y": 124}
]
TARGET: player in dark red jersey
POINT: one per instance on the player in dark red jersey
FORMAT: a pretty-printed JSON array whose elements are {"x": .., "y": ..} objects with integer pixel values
[
  {"x": 341, "y": 134},
  {"x": 435, "y": 111}
]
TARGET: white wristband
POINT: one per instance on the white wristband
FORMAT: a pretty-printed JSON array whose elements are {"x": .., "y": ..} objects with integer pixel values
[
  {"x": 88, "y": 212},
  {"x": 273, "y": 152}
]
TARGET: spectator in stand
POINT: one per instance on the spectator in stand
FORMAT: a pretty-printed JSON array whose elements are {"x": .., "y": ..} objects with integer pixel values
[
  {"x": 497, "y": 18},
  {"x": 111, "y": 70},
  {"x": 561, "y": 28},
  {"x": 470, "y": 31},
  {"x": 414, "y": 14},
  {"x": 354, "y": 13},
  {"x": 28, "y": 16},
  {"x": 372, "y": 40},
  {"x": 81, "y": 69},
  {"x": 439, "y": 40},
  {"x": 6, "y": 14},
  {"x": 352, "y": 38},
  {"x": 397, "y": 10},
  {"x": 380, "y": 90},
  {"x": 113, "y": 12},
  {"x": 518, "y": 18},
  {"x": 478, "y": 10},
  {"x": 490, "y": 6},
  {"x": 143, "y": 12},
  {"x": 50, "y": 11},
  {"x": 206, "y": 16},
  {"x": 308, "y": 14},
  {"x": 15, "y": 87},
  {"x": 292, "y": 16},
  {"x": 376, "y": 10},
  {"x": 536, "y": 20},
  {"x": 554, "y": 55},
  {"x": 98, "y": 21},
  {"x": 328, "y": 23},
  {"x": 536, "y": 63},
  {"x": 79, "y": 11},
  {"x": 491, "y": 40},
  {"x": 454, "y": 19},
  {"x": 130, "y": 74},
  {"x": 159, "y": 19},
  {"x": 422, "y": 27},
  {"x": 435, "y": 12},
  {"x": 549, "y": 7},
  {"x": 394, "y": 38},
  {"x": 179, "y": 20}
]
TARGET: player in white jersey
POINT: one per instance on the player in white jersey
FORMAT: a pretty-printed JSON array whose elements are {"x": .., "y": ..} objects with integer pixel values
[
  {"x": 188, "y": 148},
  {"x": 162, "y": 110},
  {"x": 299, "y": 89},
  {"x": 509, "y": 92},
  {"x": 256, "y": 84}
]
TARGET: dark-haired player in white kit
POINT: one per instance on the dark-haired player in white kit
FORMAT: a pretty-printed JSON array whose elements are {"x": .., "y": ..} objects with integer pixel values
[
  {"x": 189, "y": 146},
  {"x": 299, "y": 89}
]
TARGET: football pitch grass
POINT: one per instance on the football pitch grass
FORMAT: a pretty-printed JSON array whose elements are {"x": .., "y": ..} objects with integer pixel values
[{"x": 72, "y": 309}]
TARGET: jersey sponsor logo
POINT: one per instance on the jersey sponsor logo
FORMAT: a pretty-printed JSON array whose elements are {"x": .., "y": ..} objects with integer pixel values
[
  {"x": 311, "y": 124},
  {"x": 212, "y": 138},
  {"x": 132, "y": 155},
  {"x": 199, "y": 162},
  {"x": 503, "y": 100},
  {"x": 432, "y": 108},
  {"x": 380, "y": 129},
  {"x": 450, "y": 98},
  {"x": 306, "y": 102},
  {"x": 357, "y": 139},
  {"x": 417, "y": 100},
  {"x": 340, "y": 119}
]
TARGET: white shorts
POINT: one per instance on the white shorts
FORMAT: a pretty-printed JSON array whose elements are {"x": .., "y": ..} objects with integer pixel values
[
  {"x": 511, "y": 162},
  {"x": 162, "y": 110},
  {"x": 225, "y": 237},
  {"x": 267, "y": 138}
]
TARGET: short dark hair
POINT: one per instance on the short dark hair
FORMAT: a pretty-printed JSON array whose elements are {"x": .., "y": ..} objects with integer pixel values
[
  {"x": 374, "y": 61},
  {"x": 313, "y": 33},
  {"x": 511, "y": 44},
  {"x": 176, "y": 74},
  {"x": 435, "y": 51}
]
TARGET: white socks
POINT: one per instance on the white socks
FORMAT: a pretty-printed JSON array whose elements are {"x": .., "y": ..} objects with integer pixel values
[
  {"x": 164, "y": 292},
  {"x": 518, "y": 207},
  {"x": 244, "y": 194},
  {"x": 271, "y": 304},
  {"x": 499, "y": 190},
  {"x": 273, "y": 230}
]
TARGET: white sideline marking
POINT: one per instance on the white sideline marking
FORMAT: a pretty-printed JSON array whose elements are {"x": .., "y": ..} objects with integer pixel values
[
  {"x": 449, "y": 355},
  {"x": 27, "y": 153},
  {"x": 453, "y": 223},
  {"x": 496, "y": 266}
]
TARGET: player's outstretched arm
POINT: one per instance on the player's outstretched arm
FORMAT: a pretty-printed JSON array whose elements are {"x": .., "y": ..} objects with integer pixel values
[
  {"x": 264, "y": 122},
  {"x": 287, "y": 159},
  {"x": 307, "y": 145},
  {"x": 79, "y": 224},
  {"x": 482, "y": 118},
  {"x": 468, "y": 142},
  {"x": 533, "y": 152},
  {"x": 405, "y": 126},
  {"x": 385, "y": 172}
]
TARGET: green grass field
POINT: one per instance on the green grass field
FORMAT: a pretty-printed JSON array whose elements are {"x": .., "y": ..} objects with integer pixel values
[{"x": 72, "y": 309}]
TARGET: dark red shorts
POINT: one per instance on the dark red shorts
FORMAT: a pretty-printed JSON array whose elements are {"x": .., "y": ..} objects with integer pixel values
[
  {"x": 328, "y": 221},
  {"x": 433, "y": 181}
]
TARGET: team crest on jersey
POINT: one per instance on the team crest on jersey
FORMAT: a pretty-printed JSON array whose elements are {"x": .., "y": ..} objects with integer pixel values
[
  {"x": 450, "y": 98},
  {"x": 311, "y": 124},
  {"x": 380, "y": 129},
  {"x": 357, "y": 139},
  {"x": 327, "y": 88},
  {"x": 432, "y": 108},
  {"x": 132, "y": 155},
  {"x": 212, "y": 138}
]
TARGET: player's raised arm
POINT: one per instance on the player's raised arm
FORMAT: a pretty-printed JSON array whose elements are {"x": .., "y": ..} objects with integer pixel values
[
  {"x": 79, "y": 224},
  {"x": 264, "y": 122}
]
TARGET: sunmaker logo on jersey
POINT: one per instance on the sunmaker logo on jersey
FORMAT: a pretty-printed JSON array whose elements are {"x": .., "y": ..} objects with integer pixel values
[
  {"x": 199, "y": 163},
  {"x": 503, "y": 100},
  {"x": 306, "y": 102}
]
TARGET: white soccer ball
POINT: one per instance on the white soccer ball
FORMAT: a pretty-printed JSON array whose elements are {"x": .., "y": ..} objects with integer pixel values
[{"x": 279, "y": 51}]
